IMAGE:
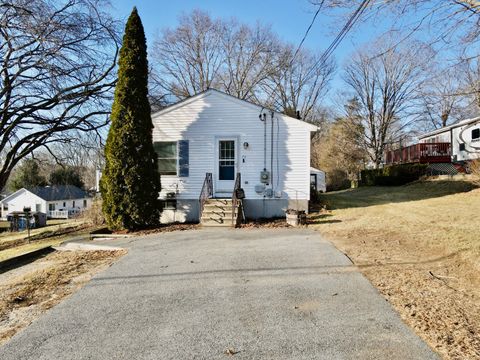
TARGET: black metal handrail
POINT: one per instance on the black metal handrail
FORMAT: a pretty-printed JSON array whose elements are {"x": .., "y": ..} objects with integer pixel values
[
  {"x": 206, "y": 193},
  {"x": 235, "y": 199}
]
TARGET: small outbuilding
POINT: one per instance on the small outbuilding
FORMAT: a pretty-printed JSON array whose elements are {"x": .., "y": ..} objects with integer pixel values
[{"x": 318, "y": 179}]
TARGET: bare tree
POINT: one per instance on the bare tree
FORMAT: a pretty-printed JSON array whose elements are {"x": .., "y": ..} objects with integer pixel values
[
  {"x": 472, "y": 83},
  {"x": 339, "y": 150},
  {"x": 386, "y": 89},
  {"x": 248, "y": 57},
  {"x": 448, "y": 21},
  {"x": 56, "y": 69},
  {"x": 298, "y": 83},
  {"x": 188, "y": 58},
  {"x": 83, "y": 153},
  {"x": 244, "y": 61},
  {"x": 440, "y": 101}
]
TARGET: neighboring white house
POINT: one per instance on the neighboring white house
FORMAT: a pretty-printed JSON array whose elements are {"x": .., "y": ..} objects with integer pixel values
[
  {"x": 60, "y": 201},
  {"x": 464, "y": 137},
  {"x": 216, "y": 133},
  {"x": 318, "y": 179}
]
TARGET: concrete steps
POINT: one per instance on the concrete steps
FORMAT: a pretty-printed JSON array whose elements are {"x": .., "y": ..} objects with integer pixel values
[{"x": 217, "y": 212}]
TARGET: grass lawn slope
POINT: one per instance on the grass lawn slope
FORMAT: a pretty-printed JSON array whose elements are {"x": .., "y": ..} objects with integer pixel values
[{"x": 419, "y": 244}]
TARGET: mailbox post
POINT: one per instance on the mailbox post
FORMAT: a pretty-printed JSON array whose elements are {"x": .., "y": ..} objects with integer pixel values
[{"x": 27, "y": 212}]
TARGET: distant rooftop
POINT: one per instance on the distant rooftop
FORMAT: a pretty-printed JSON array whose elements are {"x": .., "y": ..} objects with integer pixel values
[
  {"x": 58, "y": 192},
  {"x": 447, "y": 128}
]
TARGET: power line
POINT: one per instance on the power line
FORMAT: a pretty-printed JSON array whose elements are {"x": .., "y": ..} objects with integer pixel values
[
  {"x": 341, "y": 35},
  {"x": 308, "y": 29},
  {"x": 332, "y": 47},
  {"x": 298, "y": 47}
]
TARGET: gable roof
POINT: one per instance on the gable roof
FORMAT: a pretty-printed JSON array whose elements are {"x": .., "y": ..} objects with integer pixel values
[
  {"x": 58, "y": 192},
  {"x": 208, "y": 92},
  {"x": 315, "y": 170},
  {"x": 449, "y": 127}
]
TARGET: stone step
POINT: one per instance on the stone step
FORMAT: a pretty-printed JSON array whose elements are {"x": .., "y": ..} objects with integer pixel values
[
  {"x": 220, "y": 220},
  {"x": 217, "y": 208},
  {"x": 217, "y": 213},
  {"x": 222, "y": 202},
  {"x": 216, "y": 222}
]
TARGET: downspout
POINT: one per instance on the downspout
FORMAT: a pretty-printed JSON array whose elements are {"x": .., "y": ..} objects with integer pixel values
[
  {"x": 451, "y": 144},
  {"x": 264, "y": 142},
  {"x": 264, "y": 119},
  {"x": 271, "y": 154}
]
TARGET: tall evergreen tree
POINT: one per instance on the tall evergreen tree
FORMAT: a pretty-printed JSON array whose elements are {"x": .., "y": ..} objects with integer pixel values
[
  {"x": 67, "y": 175},
  {"x": 130, "y": 183}
]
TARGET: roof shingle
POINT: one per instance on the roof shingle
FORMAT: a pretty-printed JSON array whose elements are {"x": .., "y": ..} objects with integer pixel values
[{"x": 58, "y": 192}]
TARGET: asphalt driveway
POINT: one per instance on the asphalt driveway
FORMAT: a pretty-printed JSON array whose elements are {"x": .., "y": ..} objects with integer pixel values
[{"x": 263, "y": 294}]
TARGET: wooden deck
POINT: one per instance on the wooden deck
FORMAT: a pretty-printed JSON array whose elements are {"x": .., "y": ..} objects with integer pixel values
[{"x": 423, "y": 153}]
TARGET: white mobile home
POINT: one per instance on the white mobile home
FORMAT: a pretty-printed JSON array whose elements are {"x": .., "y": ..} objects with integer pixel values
[
  {"x": 216, "y": 142},
  {"x": 60, "y": 201},
  {"x": 464, "y": 137}
]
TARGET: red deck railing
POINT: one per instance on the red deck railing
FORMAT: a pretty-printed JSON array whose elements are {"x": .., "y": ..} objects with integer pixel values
[{"x": 420, "y": 153}]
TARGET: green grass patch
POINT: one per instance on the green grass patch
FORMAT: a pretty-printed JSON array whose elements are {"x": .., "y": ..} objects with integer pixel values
[{"x": 378, "y": 195}]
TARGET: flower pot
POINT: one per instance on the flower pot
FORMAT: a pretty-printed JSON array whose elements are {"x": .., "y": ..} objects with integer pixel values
[
  {"x": 296, "y": 217},
  {"x": 293, "y": 219}
]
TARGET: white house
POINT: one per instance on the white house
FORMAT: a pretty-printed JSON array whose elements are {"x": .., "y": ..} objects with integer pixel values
[
  {"x": 318, "y": 179},
  {"x": 464, "y": 137},
  {"x": 265, "y": 153},
  {"x": 60, "y": 201}
]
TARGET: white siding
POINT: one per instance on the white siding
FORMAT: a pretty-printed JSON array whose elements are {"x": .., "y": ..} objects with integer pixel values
[
  {"x": 463, "y": 134},
  {"x": 321, "y": 179},
  {"x": 21, "y": 199},
  {"x": 203, "y": 119},
  {"x": 441, "y": 137},
  {"x": 24, "y": 198},
  {"x": 458, "y": 135},
  {"x": 69, "y": 204}
]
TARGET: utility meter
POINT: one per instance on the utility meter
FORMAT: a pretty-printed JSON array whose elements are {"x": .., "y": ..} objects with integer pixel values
[{"x": 265, "y": 177}]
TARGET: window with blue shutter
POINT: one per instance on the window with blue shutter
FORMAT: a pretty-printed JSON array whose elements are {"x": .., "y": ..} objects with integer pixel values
[
  {"x": 166, "y": 157},
  {"x": 183, "y": 158}
]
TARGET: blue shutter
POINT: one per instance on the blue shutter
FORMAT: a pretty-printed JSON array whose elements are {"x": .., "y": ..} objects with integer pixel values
[{"x": 183, "y": 158}]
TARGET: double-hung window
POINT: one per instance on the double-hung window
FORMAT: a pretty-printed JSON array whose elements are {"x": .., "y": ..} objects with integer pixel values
[
  {"x": 166, "y": 157},
  {"x": 172, "y": 157}
]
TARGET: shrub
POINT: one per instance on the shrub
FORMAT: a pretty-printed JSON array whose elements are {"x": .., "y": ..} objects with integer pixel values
[
  {"x": 337, "y": 180},
  {"x": 475, "y": 170},
  {"x": 94, "y": 215},
  {"x": 394, "y": 175}
]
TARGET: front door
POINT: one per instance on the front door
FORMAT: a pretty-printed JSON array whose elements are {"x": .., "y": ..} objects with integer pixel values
[{"x": 226, "y": 166}]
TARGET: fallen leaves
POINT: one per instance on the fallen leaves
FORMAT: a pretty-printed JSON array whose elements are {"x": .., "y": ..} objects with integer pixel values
[{"x": 48, "y": 280}]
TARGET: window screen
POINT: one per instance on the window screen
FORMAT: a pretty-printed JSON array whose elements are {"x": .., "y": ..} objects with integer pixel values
[{"x": 166, "y": 157}]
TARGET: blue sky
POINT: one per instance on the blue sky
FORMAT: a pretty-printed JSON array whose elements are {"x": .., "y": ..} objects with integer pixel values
[{"x": 289, "y": 19}]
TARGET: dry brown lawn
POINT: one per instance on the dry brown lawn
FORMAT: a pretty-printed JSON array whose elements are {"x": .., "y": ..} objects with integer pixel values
[
  {"x": 29, "y": 291},
  {"x": 420, "y": 246}
]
